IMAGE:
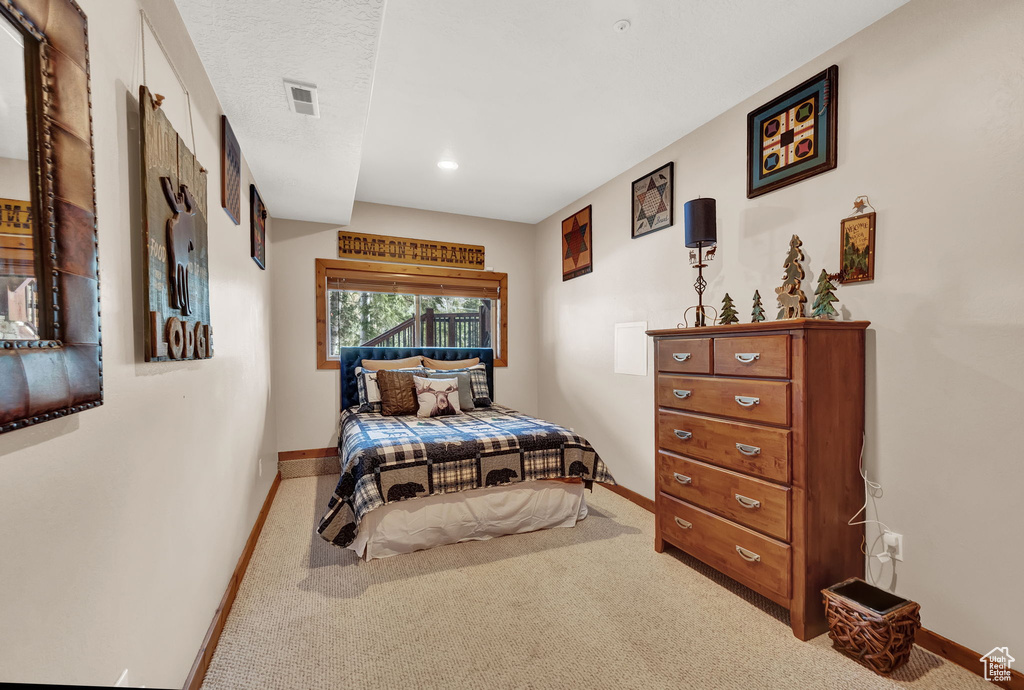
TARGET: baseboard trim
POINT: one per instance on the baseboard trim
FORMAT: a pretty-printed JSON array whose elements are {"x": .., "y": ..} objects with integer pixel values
[
  {"x": 642, "y": 501},
  {"x": 195, "y": 677},
  {"x": 308, "y": 453},
  {"x": 962, "y": 656}
]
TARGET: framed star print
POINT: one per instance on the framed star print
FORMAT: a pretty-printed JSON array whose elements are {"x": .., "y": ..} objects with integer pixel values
[
  {"x": 794, "y": 136},
  {"x": 577, "y": 245},
  {"x": 652, "y": 201},
  {"x": 230, "y": 172}
]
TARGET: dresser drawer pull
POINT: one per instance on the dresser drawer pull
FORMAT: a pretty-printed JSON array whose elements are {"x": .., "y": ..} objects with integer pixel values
[
  {"x": 747, "y": 401},
  {"x": 680, "y": 356},
  {"x": 747, "y": 555},
  {"x": 682, "y": 395},
  {"x": 684, "y": 435},
  {"x": 748, "y": 450},
  {"x": 684, "y": 524},
  {"x": 748, "y": 502},
  {"x": 747, "y": 357},
  {"x": 682, "y": 478}
]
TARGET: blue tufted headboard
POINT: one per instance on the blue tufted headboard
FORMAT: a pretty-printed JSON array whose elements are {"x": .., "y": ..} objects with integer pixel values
[{"x": 352, "y": 356}]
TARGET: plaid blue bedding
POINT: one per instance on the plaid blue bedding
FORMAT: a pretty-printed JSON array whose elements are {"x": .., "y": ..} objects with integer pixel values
[{"x": 386, "y": 459}]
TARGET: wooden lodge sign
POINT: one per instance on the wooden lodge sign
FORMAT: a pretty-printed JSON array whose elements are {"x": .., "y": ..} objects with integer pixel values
[
  {"x": 176, "y": 270},
  {"x": 402, "y": 250}
]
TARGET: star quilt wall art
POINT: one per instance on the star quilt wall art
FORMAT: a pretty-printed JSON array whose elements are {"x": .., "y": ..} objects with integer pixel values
[
  {"x": 577, "y": 245},
  {"x": 794, "y": 136},
  {"x": 652, "y": 201}
]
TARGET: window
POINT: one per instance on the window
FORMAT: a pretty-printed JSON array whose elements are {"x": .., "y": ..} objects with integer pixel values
[{"x": 363, "y": 304}]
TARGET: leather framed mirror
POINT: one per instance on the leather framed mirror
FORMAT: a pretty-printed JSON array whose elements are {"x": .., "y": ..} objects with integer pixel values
[{"x": 50, "y": 350}]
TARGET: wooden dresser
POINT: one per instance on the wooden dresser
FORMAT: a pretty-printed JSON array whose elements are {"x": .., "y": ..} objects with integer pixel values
[{"x": 758, "y": 437}]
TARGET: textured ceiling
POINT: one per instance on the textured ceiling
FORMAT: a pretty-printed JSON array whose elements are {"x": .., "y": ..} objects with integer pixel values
[
  {"x": 540, "y": 101},
  {"x": 13, "y": 118},
  {"x": 305, "y": 168}
]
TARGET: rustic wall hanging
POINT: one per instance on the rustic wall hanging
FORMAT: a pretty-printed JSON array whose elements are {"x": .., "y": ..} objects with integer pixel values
[
  {"x": 577, "y": 244},
  {"x": 176, "y": 260},
  {"x": 257, "y": 228},
  {"x": 230, "y": 172},
  {"x": 60, "y": 372},
  {"x": 652, "y": 201},
  {"x": 794, "y": 136},
  {"x": 403, "y": 250},
  {"x": 857, "y": 244}
]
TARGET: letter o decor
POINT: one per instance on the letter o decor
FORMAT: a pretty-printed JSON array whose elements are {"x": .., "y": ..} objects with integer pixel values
[
  {"x": 62, "y": 373},
  {"x": 190, "y": 341},
  {"x": 200, "y": 338},
  {"x": 175, "y": 338}
]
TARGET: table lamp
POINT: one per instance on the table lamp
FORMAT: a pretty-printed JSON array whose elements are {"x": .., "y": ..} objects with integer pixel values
[{"x": 701, "y": 231}]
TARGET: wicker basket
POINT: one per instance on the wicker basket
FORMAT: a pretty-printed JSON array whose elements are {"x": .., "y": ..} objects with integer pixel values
[{"x": 872, "y": 626}]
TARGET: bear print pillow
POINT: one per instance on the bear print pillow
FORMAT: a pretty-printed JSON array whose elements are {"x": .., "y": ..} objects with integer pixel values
[{"x": 437, "y": 397}]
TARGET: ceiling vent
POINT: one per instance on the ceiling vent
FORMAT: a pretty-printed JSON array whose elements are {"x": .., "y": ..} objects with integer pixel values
[{"x": 302, "y": 98}]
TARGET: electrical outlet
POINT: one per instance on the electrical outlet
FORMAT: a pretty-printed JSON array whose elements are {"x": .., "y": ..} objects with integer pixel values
[
  {"x": 261, "y": 467},
  {"x": 893, "y": 544}
]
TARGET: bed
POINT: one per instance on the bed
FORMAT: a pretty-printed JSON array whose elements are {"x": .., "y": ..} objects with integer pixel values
[{"x": 409, "y": 483}]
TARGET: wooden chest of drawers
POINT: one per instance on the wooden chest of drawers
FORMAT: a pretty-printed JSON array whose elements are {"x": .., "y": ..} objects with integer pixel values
[{"x": 759, "y": 430}]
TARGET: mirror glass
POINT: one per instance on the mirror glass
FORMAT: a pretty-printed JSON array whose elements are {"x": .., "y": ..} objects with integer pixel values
[{"x": 19, "y": 299}]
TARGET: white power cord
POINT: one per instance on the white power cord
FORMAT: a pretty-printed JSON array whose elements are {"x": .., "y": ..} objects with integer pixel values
[{"x": 872, "y": 490}]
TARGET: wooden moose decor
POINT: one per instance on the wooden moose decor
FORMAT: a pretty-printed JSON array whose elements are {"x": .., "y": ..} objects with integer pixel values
[{"x": 176, "y": 259}]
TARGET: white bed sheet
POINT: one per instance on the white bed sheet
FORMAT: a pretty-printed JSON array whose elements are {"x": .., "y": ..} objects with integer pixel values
[{"x": 474, "y": 515}]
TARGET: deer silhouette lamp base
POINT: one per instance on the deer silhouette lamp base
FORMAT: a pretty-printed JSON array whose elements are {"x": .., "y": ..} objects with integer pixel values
[{"x": 701, "y": 231}]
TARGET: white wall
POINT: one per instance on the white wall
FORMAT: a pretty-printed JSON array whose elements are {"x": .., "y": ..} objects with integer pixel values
[
  {"x": 122, "y": 525},
  {"x": 307, "y": 399},
  {"x": 14, "y": 183},
  {"x": 931, "y": 106}
]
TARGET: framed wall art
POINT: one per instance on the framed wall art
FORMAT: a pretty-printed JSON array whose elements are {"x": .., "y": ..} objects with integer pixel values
[
  {"x": 230, "y": 172},
  {"x": 577, "y": 244},
  {"x": 176, "y": 261},
  {"x": 652, "y": 201},
  {"x": 257, "y": 228},
  {"x": 794, "y": 136},
  {"x": 857, "y": 248}
]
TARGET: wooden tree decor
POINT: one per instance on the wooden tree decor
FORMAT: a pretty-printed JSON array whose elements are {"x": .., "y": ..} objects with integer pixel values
[
  {"x": 823, "y": 298},
  {"x": 728, "y": 311},
  {"x": 791, "y": 297},
  {"x": 757, "y": 315}
]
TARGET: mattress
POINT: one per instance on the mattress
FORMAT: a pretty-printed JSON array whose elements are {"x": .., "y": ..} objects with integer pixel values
[{"x": 475, "y": 515}]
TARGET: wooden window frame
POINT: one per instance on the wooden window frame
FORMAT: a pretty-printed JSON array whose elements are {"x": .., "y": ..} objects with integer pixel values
[{"x": 389, "y": 272}]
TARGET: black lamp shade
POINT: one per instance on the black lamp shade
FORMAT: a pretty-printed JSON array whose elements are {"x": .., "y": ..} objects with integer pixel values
[{"x": 701, "y": 227}]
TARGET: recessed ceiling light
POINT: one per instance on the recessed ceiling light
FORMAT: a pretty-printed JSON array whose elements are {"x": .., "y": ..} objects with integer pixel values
[
  {"x": 621, "y": 26},
  {"x": 448, "y": 165}
]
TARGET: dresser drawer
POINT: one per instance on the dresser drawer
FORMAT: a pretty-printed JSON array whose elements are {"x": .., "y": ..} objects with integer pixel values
[
  {"x": 758, "y": 450},
  {"x": 752, "y": 502},
  {"x": 685, "y": 355},
  {"x": 759, "y": 562},
  {"x": 760, "y": 355},
  {"x": 758, "y": 401}
]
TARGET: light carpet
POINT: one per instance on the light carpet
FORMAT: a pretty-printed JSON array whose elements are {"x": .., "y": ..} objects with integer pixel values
[{"x": 592, "y": 606}]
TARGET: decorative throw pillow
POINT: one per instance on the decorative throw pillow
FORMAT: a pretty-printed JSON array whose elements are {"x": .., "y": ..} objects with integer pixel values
[
  {"x": 369, "y": 389},
  {"x": 397, "y": 392},
  {"x": 465, "y": 387},
  {"x": 477, "y": 380},
  {"x": 391, "y": 364},
  {"x": 437, "y": 397},
  {"x": 445, "y": 364}
]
